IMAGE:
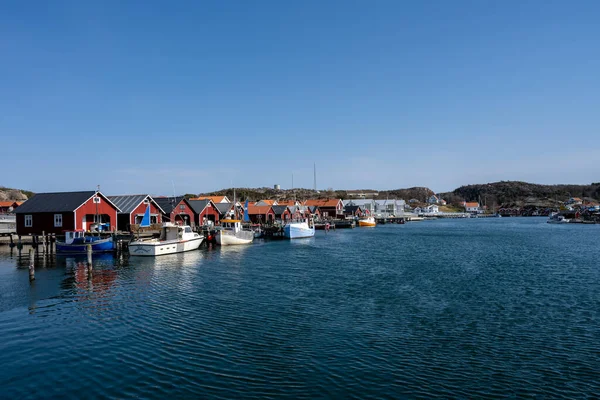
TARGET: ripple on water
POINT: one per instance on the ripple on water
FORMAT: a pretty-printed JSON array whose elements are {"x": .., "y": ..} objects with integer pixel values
[{"x": 436, "y": 309}]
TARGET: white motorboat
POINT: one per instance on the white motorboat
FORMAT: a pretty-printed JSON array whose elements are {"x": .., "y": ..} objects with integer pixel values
[
  {"x": 8, "y": 224},
  {"x": 173, "y": 239},
  {"x": 232, "y": 233},
  {"x": 558, "y": 219},
  {"x": 297, "y": 230}
]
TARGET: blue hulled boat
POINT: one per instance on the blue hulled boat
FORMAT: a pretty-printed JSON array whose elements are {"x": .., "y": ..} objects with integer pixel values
[
  {"x": 76, "y": 242},
  {"x": 297, "y": 230}
]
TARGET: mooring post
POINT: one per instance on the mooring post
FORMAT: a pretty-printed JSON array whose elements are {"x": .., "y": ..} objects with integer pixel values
[
  {"x": 44, "y": 242},
  {"x": 31, "y": 264},
  {"x": 12, "y": 243},
  {"x": 89, "y": 259}
]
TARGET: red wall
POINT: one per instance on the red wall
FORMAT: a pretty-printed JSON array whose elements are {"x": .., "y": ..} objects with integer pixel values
[
  {"x": 269, "y": 217},
  {"x": 141, "y": 209},
  {"x": 286, "y": 215},
  {"x": 89, "y": 208},
  {"x": 187, "y": 210},
  {"x": 208, "y": 210}
]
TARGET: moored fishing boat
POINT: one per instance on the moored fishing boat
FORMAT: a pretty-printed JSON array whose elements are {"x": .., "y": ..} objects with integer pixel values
[
  {"x": 299, "y": 229},
  {"x": 367, "y": 222},
  {"x": 77, "y": 242},
  {"x": 232, "y": 233},
  {"x": 173, "y": 239}
]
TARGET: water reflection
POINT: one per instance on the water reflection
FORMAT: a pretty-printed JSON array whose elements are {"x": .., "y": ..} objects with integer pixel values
[{"x": 84, "y": 285}]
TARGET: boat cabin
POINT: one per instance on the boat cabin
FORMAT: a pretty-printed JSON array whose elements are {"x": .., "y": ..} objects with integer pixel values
[
  {"x": 172, "y": 231},
  {"x": 73, "y": 237},
  {"x": 231, "y": 225}
]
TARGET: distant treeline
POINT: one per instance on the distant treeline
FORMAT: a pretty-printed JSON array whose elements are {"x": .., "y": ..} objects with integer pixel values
[
  {"x": 507, "y": 193},
  {"x": 522, "y": 193},
  {"x": 492, "y": 194}
]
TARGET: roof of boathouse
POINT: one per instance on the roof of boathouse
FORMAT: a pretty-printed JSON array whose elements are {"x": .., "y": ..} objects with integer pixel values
[
  {"x": 168, "y": 204},
  {"x": 129, "y": 202},
  {"x": 58, "y": 202},
  {"x": 215, "y": 199},
  {"x": 352, "y": 209},
  {"x": 224, "y": 207},
  {"x": 199, "y": 205},
  {"x": 267, "y": 202},
  {"x": 279, "y": 209},
  {"x": 323, "y": 202},
  {"x": 253, "y": 210}
]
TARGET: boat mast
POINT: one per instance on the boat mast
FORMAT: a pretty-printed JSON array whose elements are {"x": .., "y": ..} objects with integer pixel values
[
  {"x": 235, "y": 214},
  {"x": 97, "y": 218}
]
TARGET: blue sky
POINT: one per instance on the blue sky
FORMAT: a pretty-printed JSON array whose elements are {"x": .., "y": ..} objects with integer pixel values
[{"x": 141, "y": 96}]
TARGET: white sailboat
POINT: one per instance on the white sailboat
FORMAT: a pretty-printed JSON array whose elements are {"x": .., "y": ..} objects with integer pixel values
[{"x": 173, "y": 239}]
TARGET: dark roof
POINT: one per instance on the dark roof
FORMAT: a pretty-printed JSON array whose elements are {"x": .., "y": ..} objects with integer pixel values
[
  {"x": 168, "y": 204},
  {"x": 55, "y": 202},
  {"x": 198, "y": 205},
  {"x": 223, "y": 207},
  {"x": 278, "y": 210},
  {"x": 128, "y": 203},
  {"x": 351, "y": 209},
  {"x": 313, "y": 209}
]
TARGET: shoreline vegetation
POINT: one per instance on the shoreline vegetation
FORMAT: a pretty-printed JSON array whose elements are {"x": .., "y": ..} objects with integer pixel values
[{"x": 493, "y": 195}]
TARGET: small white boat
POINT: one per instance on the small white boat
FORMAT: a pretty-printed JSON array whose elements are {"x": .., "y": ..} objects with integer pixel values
[
  {"x": 232, "y": 233},
  {"x": 367, "y": 221},
  {"x": 8, "y": 224},
  {"x": 297, "y": 230},
  {"x": 558, "y": 219},
  {"x": 173, "y": 239}
]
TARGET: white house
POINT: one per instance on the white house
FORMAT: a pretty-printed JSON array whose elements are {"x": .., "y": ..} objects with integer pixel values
[
  {"x": 430, "y": 209},
  {"x": 433, "y": 199},
  {"x": 473, "y": 207},
  {"x": 379, "y": 208},
  {"x": 434, "y": 209}
]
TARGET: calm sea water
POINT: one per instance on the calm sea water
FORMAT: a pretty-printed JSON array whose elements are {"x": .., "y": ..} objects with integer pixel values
[{"x": 456, "y": 308}]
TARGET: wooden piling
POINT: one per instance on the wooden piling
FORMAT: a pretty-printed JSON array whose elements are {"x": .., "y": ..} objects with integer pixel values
[
  {"x": 44, "y": 243},
  {"x": 89, "y": 260},
  {"x": 31, "y": 265}
]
